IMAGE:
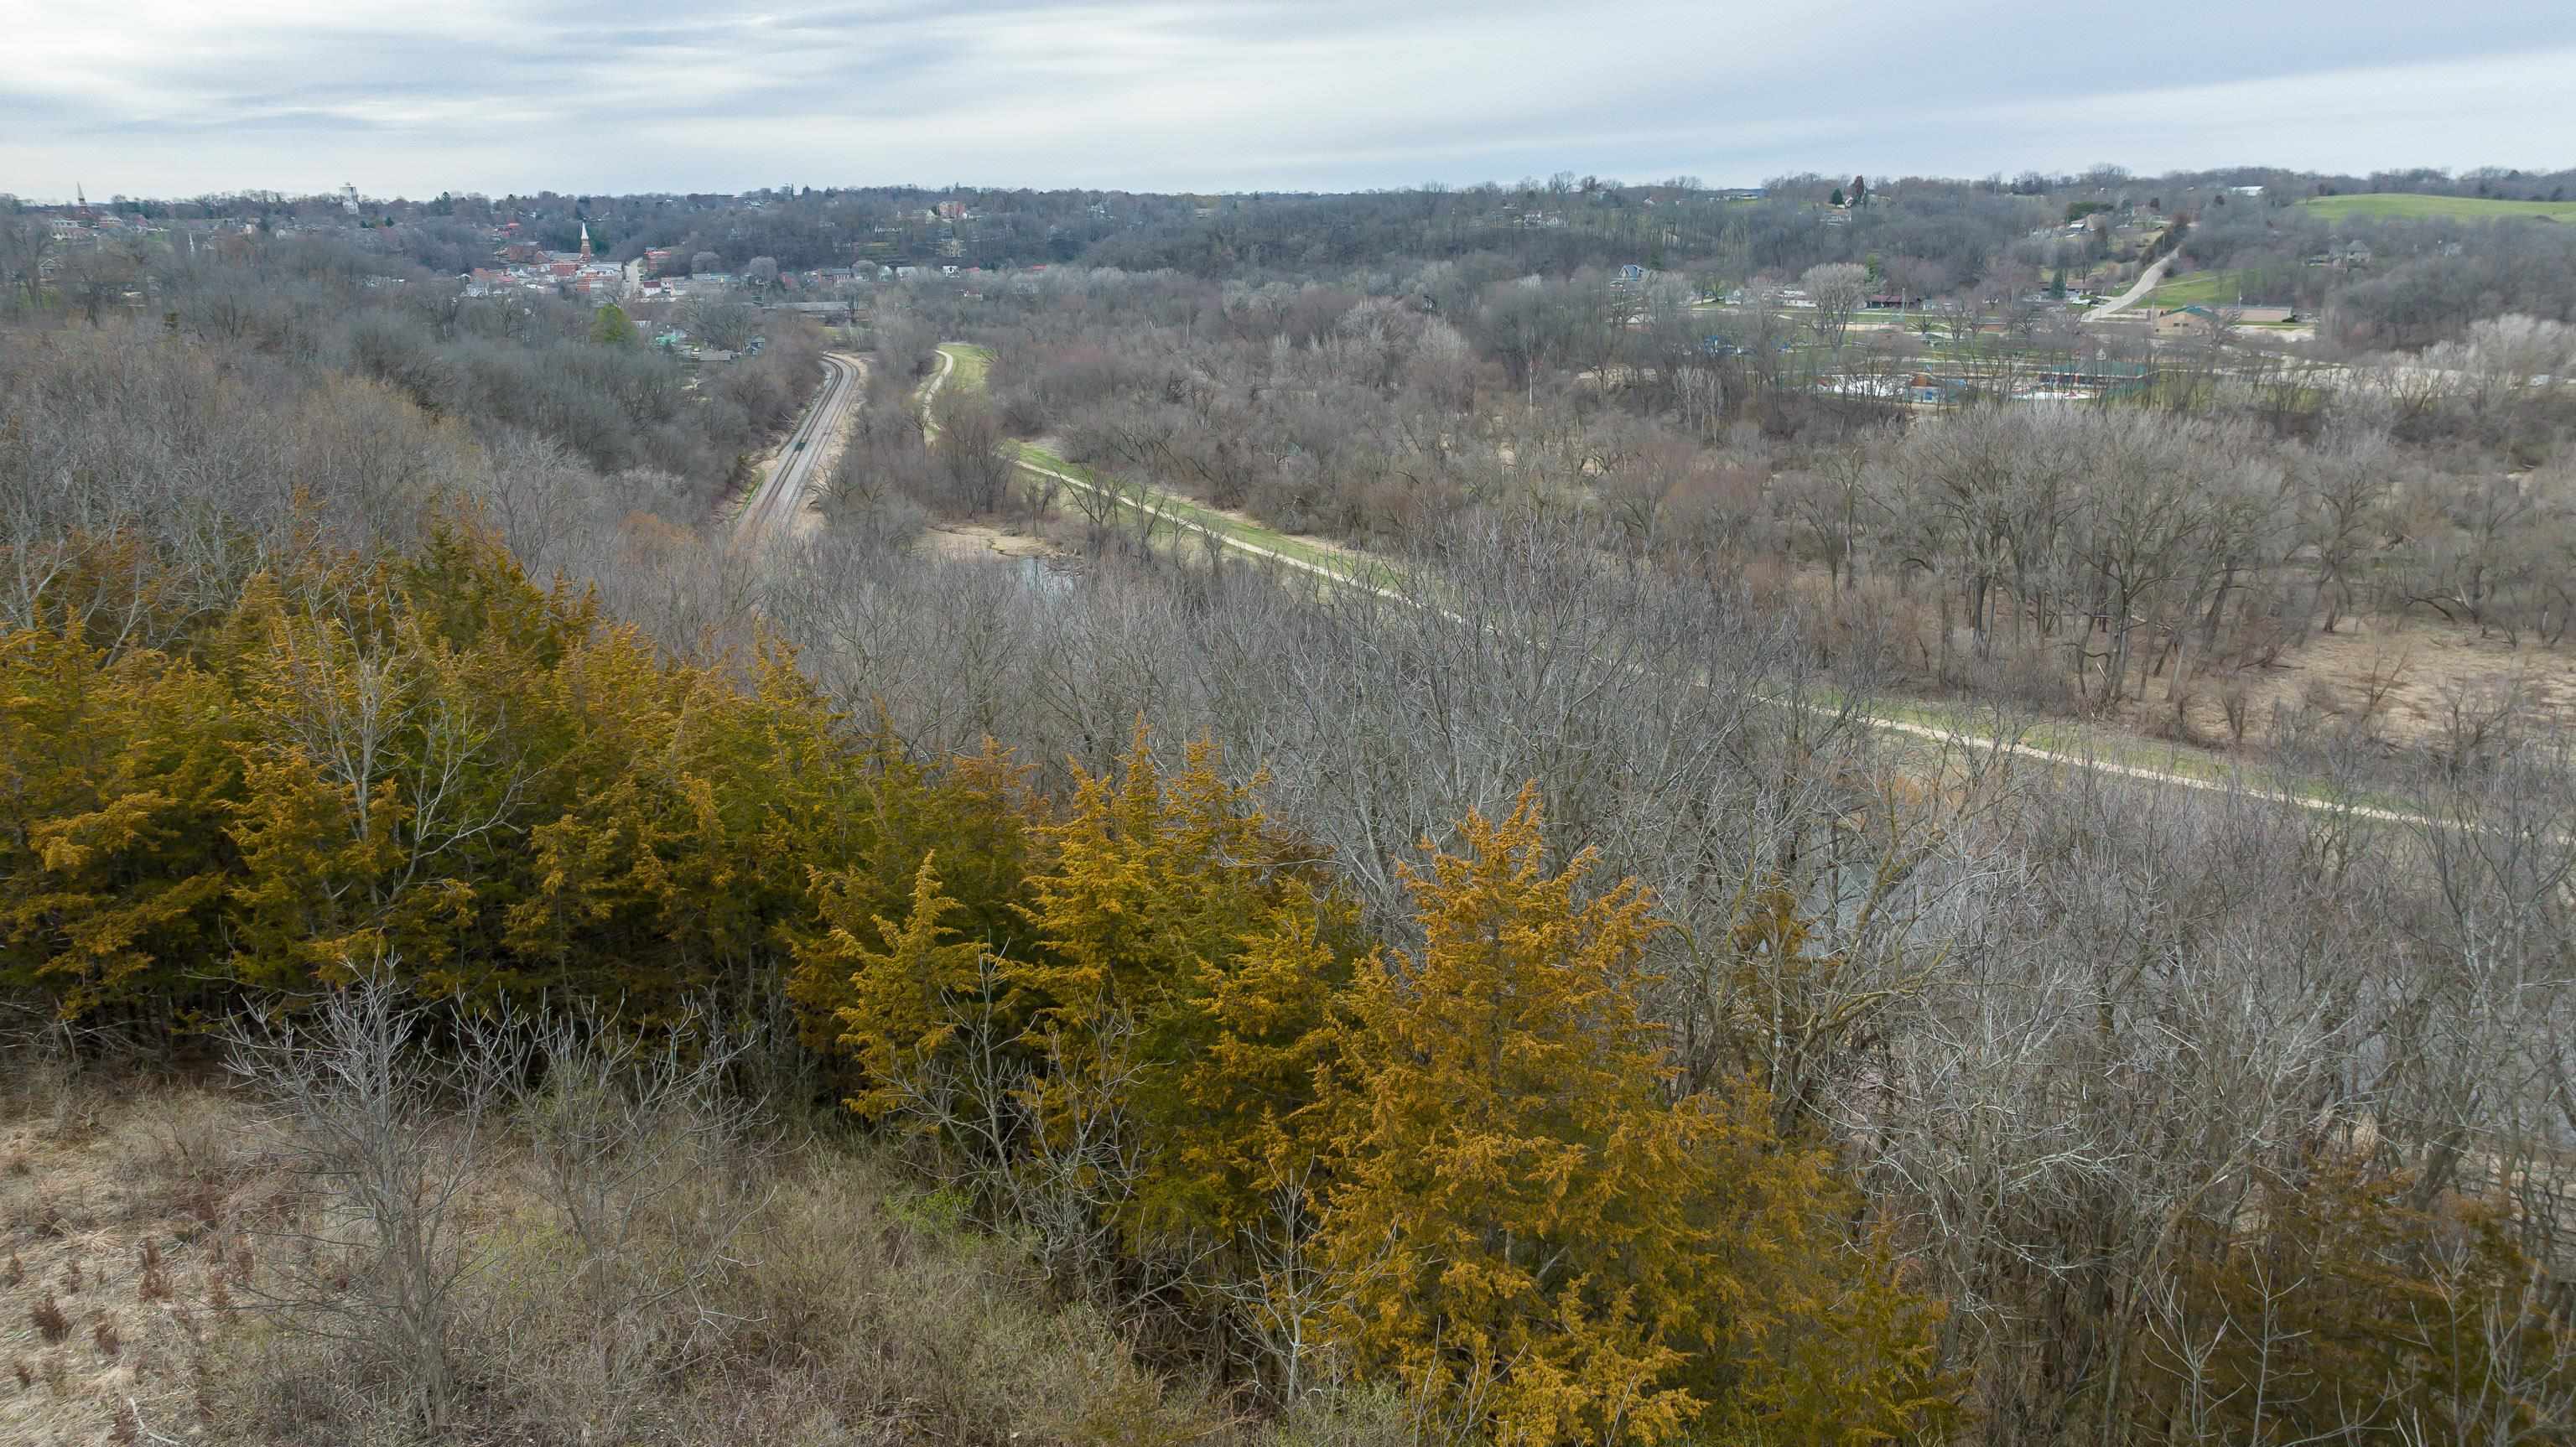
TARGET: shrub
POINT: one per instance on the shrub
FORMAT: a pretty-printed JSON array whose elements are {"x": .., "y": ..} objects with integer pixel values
[{"x": 48, "y": 1318}]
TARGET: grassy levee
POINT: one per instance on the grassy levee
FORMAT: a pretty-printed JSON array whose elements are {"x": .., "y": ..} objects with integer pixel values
[
  {"x": 973, "y": 363},
  {"x": 1205, "y": 519},
  {"x": 2075, "y": 743},
  {"x": 972, "y": 366}
]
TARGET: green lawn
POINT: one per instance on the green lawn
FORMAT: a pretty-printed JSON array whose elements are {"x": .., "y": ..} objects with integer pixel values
[
  {"x": 2406, "y": 204},
  {"x": 2201, "y": 288}
]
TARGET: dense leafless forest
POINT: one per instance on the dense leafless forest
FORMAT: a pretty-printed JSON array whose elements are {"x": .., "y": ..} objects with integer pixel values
[{"x": 2110, "y": 854}]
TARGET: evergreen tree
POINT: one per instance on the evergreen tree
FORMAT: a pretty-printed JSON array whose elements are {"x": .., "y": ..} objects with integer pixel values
[
  {"x": 1515, "y": 1222},
  {"x": 121, "y": 777},
  {"x": 1541, "y": 1243},
  {"x": 904, "y": 992},
  {"x": 611, "y": 327},
  {"x": 1245, "y": 1117},
  {"x": 1185, "y": 961}
]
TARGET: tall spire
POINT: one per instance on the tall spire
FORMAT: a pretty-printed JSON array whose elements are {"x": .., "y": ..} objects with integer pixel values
[{"x": 585, "y": 241}]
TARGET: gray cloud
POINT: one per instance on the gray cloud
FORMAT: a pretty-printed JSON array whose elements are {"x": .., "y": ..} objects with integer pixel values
[{"x": 185, "y": 95}]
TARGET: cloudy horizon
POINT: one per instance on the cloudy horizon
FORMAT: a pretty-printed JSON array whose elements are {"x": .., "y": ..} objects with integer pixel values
[{"x": 168, "y": 97}]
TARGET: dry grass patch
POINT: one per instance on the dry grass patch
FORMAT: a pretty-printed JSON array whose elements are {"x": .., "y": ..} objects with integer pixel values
[
  {"x": 117, "y": 1194},
  {"x": 2413, "y": 676},
  {"x": 756, "y": 1292},
  {"x": 975, "y": 542}
]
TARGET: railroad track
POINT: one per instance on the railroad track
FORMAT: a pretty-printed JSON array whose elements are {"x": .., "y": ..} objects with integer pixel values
[{"x": 778, "y": 497}]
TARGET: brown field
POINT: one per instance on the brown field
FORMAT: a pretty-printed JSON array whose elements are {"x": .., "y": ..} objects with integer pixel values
[{"x": 2409, "y": 674}]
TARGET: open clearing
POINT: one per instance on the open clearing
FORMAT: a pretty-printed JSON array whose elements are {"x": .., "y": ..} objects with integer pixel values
[
  {"x": 982, "y": 540},
  {"x": 2405, "y": 205},
  {"x": 2201, "y": 288},
  {"x": 2422, "y": 670}
]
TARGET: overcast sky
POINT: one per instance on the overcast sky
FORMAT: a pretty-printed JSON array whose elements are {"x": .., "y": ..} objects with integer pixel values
[{"x": 165, "y": 97}]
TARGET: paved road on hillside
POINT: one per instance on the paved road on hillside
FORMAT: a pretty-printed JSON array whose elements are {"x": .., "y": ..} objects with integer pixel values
[
  {"x": 2148, "y": 280},
  {"x": 774, "y": 503}
]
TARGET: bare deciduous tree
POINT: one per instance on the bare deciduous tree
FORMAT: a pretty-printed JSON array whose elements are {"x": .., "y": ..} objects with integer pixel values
[
  {"x": 393, "y": 1129},
  {"x": 1839, "y": 289}
]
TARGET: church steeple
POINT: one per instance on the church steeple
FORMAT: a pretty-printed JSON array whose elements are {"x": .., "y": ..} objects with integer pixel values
[{"x": 585, "y": 241}]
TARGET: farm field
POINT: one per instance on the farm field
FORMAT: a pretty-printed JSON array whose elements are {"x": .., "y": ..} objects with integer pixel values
[{"x": 2409, "y": 206}]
